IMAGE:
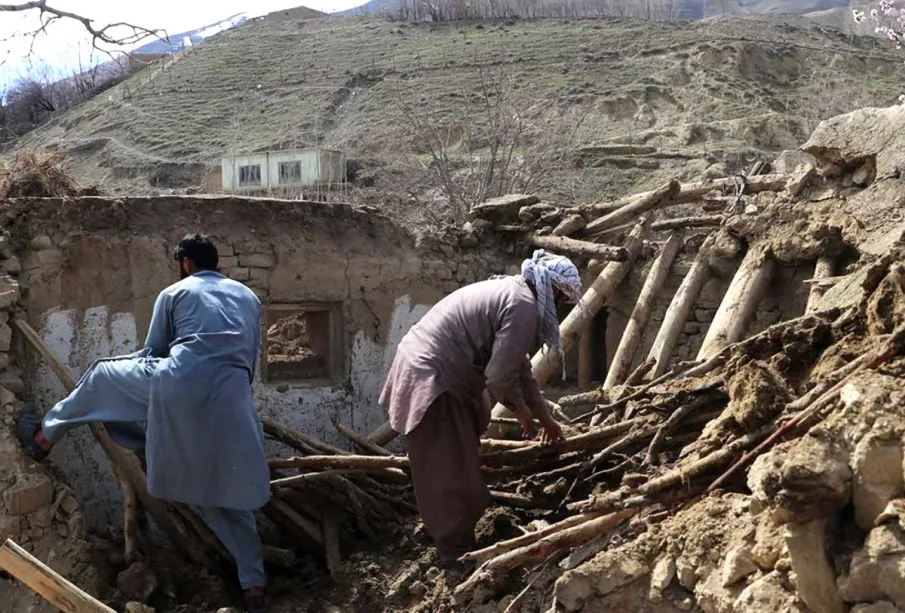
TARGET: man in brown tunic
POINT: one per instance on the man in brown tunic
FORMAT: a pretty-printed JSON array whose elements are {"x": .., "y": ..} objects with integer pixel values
[{"x": 478, "y": 338}]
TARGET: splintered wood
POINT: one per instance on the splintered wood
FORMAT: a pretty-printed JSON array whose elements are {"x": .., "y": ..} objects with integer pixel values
[{"x": 41, "y": 579}]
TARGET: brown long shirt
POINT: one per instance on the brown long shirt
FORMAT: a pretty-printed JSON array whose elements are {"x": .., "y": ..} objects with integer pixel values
[{"x": 477, "y": 338}]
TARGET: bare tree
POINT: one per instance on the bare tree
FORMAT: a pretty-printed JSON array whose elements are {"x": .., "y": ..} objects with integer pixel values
[{"x": 494, "y": 143}]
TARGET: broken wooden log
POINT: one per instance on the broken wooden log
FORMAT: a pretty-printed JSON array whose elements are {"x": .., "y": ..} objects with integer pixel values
[
  {"x": 332, "y": 550},
  {"x": 522, "y": 502},
  {"x": 277, "y": 556},
  {"x": 41, "y": 579},
  {"x": 585, "y": 361},
  {"x": 281, "y": 513},
  {"x": 634, "y": 209},
  {"x": 298, "y": 440},
  {"x": 823, "y": 269},
  {"x": 681, "y": 223},
  {"x": 190, "y": 544},
  {"x": 680, "y": 309},
  {"x": 545, "y": 362},
  {"x": 692, "y": 192},
  {"x": 576, "y": 248},
  {"x": 588, "y": 440},
  {"x": 327, "y": 462},
  {"x": 361, "y": 441},
  {"x": 739, "y": 305},
  {"x": 682, "y": 474},
  {"x": 494, "y": 568},
  {"x": 625, "y": 352},
  {"x": 384, "y": 435}
]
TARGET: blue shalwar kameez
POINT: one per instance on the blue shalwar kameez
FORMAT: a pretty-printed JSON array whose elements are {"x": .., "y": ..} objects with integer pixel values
[{"x": 192, "y": 387}]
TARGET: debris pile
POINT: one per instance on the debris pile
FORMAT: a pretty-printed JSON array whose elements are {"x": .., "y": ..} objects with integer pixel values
[
  {"x": 767, "y": 473},
  {"x": 37, "y": 175}
]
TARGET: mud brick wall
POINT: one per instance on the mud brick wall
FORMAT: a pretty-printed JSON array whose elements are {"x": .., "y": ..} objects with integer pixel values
[{"x": 92, "y": 268}]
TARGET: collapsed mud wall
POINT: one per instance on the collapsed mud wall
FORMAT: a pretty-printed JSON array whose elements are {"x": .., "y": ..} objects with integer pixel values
[{"x": 92, "y": 268}]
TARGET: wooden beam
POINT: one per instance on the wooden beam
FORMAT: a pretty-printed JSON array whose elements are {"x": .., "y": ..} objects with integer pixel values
[
  {"x": 634, "y": 209},
  {"x": 628, "y": 344},
  {"x": 40, "y": 578},
  {"x": 572, "y": 247},
  {"x": 679, "y": 310},
  {"x": 126, "y": 464},
  {"x": 585, "y": 359},
  {"x": 692, "y": 192},
  {"x": 739, "y": 305}
]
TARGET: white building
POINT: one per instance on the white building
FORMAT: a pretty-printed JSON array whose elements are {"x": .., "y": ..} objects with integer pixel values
[{"x": 290, "y": 171}]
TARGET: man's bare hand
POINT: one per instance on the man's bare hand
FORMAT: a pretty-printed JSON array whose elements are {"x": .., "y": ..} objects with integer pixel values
[
  {"x": 552, "y": 432},
  {"x": 527, "y": 421}
]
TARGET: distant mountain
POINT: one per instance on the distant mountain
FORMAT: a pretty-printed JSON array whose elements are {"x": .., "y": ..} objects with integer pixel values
[{"x": 191, "y": 37}]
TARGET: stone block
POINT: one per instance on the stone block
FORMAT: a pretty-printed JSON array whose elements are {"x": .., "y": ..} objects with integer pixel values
[
  {"x": 876, "y": 571},
  {"x": 6, "y": 337},
  {"x": 704, "y": 316},
  {"x": 257, "y": 260},
  {"x": 40, "y": 243},
  {"x": 258, "y": 277},
  {"x": 444, "y": 274},
  {"x": 11, "y": 266},
  {"x": 228, "y": 262},
  {"x": 52, "y": 258},
  {"x": 30, "y": 493},
  {"x": 10, "y": 527},
  {"x": 239, "y": 274},
  {"x": 11, "y": 380},
  {"x": 138, "y": 582},
  {"x": 876, "y": 477},
  {"x": 739, "y": 563},
  {"x": 661, "y": 576}
]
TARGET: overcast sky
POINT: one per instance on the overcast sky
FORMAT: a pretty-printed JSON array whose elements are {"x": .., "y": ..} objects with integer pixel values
[{"x": 66, "y": 39}]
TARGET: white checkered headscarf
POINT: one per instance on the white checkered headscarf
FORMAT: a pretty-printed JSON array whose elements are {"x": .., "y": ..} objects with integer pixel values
[{"x": 546, "y": 271}]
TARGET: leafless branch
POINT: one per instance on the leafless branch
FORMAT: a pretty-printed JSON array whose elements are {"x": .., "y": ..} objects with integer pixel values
[{"x": 118, "y": 34}]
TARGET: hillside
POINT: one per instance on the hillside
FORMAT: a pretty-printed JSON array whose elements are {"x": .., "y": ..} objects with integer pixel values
[
  {"x": 660, "y": 9},
  {"x": 645, "y": 100}
]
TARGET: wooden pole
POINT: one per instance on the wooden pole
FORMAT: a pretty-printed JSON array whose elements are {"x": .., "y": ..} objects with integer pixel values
[
  {"x": 739, "y": 305},
  {"x": 625, "y": 353},
  {"x": 383, "y": 435},
  {"x": 691, "y": 192},
  {"x": 679, "y": 310},
  {"x": 544, "y": 363},
  {"x": 56, "y": 590},
  {"x": 572, "y": 247},
  {"x": 585, "y": 359},
  {"x": 634, "y": 209},
  {"x": 823, "y": 269},
  {"x": 190, "y": 544}
]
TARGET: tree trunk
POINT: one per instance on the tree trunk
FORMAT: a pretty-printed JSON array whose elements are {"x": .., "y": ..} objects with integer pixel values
[
  {"x": 679, "y": 310},
  {"x": 739, "y": 305},
  {"x": 625, "y": 353},
  {"x": 545, "y": 362},
  {"x": 576, "y": 248},
  {"x": 822, "y": 270}
]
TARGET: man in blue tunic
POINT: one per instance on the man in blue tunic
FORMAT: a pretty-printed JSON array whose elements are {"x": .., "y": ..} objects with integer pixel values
[{"x": 192, "y": 387}]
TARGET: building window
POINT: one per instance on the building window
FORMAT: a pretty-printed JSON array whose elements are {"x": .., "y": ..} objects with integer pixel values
[
  {"x": 302, "y": 343},
  {"x": 250, "y": 175},
  {"x": 290, "y": 172}
]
